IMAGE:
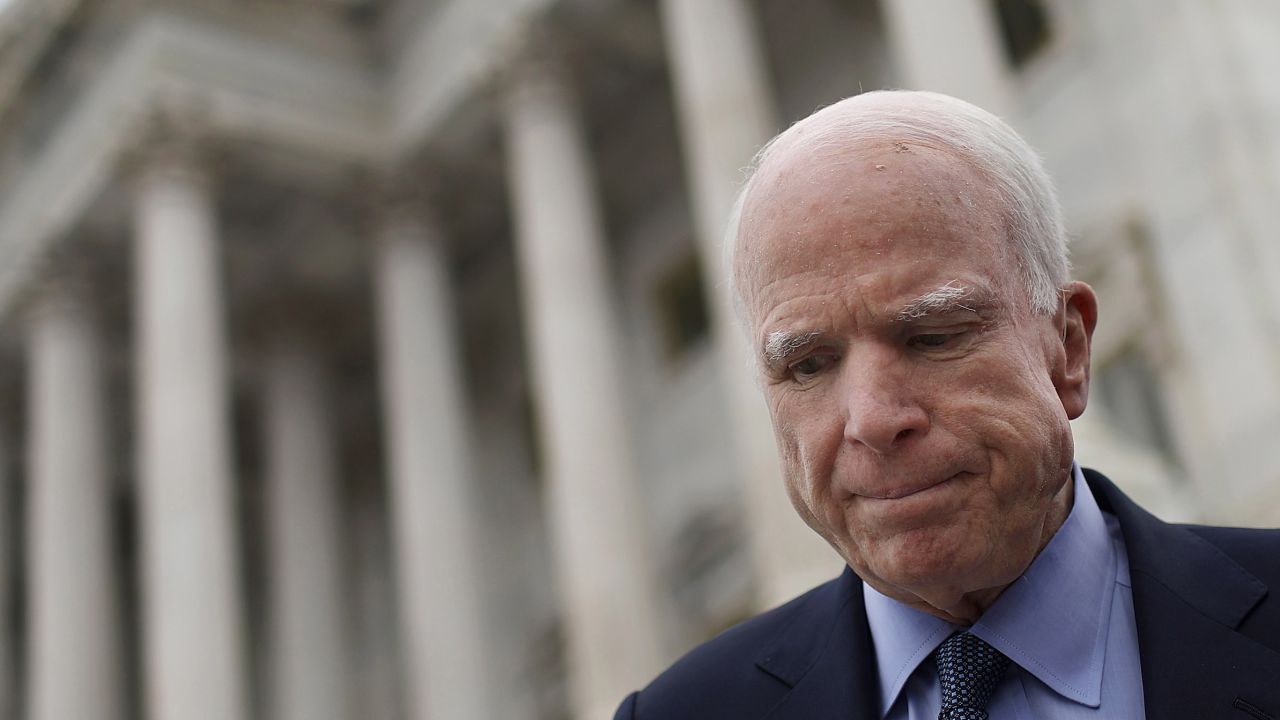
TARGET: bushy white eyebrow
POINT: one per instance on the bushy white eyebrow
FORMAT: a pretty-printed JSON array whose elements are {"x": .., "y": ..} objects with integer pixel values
[
  {"x": 782, "y": 345},
  {"x": 948, "y": 298}
]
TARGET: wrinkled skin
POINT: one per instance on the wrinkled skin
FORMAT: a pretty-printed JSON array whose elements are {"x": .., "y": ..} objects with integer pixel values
[{"x": 933, "y": 454}]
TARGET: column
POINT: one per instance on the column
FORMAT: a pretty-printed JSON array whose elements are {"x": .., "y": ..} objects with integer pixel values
[
  {"x": 430, "y": 474},
  {"x": 596, "y": 514},
  {"x": 1209, "y": 171},
  {"x": 376, "y": 687},
  {"x": 307, "y": 619},
  {"x": 192, "y": 612},
  {"x": 8, "y": 586},
  {"x": 951, "y": 46},
  {"x": 726, "y": 113},
  {"x": 74, "y": 644}
]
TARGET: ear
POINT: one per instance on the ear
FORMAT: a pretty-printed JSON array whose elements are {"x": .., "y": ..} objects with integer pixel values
[{"x": 1075, "y": 322}]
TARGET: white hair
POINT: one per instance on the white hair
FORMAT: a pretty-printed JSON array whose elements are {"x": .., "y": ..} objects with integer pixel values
[
  {"x": 1032, "y": 214},
  {"x": 952, "y": 296}
]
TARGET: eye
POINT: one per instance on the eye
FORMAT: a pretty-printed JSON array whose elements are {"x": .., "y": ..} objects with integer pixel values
[
  {"x": 810, "y": 367},
  {"x": 932, "y": 340}
]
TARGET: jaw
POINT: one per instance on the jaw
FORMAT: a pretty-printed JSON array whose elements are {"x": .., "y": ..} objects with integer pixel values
[
  {"x": 953, "y": 602},
  {"x": 956, "y": 572},
  {"x": 962, "y": 609},
  {"x": 952, "y": 566}
]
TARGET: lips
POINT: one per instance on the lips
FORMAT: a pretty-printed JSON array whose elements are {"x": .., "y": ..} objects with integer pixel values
[{"x": 907, "y": 489}]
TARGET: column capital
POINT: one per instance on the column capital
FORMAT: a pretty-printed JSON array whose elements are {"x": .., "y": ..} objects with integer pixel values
[
  {"x": 173, "y": 136},
  {"x": 396, "y": 193},
  {"x": 66, "y": 279},
  {"x": 537, "y": 58}
]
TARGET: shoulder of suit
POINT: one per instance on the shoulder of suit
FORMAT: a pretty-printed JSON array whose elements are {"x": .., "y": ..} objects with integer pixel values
[
  {"x": 720, "y": 678},
  {"x": 1256, "y": 550}
]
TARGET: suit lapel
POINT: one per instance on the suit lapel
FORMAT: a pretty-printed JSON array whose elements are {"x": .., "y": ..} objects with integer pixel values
[
  {"x": 826, "y": 656},
  {"x": 1189, "y": 598}
]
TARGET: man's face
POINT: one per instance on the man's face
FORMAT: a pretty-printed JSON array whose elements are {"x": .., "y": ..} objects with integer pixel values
[{"x": 920, "y": 407}]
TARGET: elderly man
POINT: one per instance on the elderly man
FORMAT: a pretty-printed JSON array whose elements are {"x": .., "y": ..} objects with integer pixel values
[{"x": 900, "y": 266}]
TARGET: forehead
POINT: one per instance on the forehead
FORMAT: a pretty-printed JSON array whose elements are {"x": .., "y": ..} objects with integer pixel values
[{"x": 893, "y": 211}]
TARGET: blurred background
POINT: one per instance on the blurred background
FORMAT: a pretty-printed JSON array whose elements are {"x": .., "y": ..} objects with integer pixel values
[{"x": 371, "y": 358}]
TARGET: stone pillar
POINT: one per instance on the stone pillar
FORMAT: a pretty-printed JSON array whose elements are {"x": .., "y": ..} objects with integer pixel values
[
  {"x": 8, "y": 586},
  {"x": 74, "y": 620},
  {"x": 194, "y": 665},
  {"x": 307, "y": 619},
  {"x": 726, "y": 113},
  {"x": 950, "y": 46},
  {"x": 430, "y": 472},
  {"x": 1208, "y": 174},
  {"x": 376, "y": 676},
  {"x": 725, "y": 106},
  {"x": 596, "y": 517}
]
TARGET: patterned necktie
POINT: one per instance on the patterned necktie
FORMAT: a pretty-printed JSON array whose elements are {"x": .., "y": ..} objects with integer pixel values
[{"x": 968, "y": 670}]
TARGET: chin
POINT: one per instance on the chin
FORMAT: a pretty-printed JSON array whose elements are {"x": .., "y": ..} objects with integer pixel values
[{"x": 930, "y": 558}]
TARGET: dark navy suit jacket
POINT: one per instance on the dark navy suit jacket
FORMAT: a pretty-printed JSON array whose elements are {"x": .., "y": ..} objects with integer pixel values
[{"x": 1206, "y": 600}]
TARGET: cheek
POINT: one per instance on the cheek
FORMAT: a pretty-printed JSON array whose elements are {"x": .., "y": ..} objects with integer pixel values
[
  {"x": 785, "y": 435},
  {"x": 1032, "y": 452},
  {"x": 807, "y": 449},
  {"x": 1012, "y": 408},
  {"x": 789, "y": 455},
  {"x": 1039, "y": 440}
]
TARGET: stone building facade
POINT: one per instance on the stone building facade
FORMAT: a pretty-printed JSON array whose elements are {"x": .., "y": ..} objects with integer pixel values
[{"x": 371, "y": 358}]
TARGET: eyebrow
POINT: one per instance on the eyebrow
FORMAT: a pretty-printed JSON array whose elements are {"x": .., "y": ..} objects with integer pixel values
[
  {"x": 952, "y": 297},
  {"x": 782, "y": 345}
]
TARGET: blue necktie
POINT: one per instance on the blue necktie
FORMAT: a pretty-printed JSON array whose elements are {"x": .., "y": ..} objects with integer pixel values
[{"x": 968, "y": 670}]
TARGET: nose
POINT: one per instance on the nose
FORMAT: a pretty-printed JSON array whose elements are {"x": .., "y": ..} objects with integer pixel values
[{"x": 881, "y": 410}]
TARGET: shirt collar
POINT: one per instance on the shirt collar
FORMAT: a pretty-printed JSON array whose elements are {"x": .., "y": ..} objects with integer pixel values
[{"x": 1052, "y": 621}]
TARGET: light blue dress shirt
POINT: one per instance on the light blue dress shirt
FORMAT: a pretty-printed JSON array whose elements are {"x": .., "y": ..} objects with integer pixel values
[{"x": 1067, "y": 624}]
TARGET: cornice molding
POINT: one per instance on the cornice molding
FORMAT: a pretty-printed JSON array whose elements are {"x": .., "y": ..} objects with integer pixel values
[{"x": 240, "y": 88}]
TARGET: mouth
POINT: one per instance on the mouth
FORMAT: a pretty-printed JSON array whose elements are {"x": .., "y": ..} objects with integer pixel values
[{"x": 898, "y": 493}]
